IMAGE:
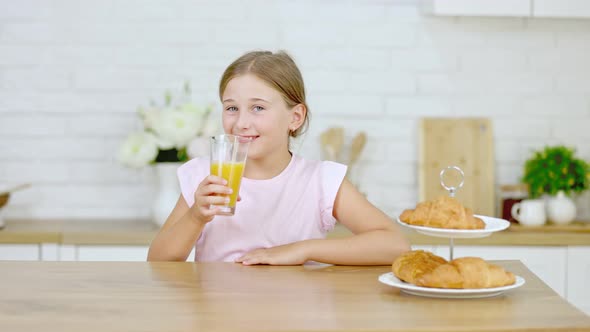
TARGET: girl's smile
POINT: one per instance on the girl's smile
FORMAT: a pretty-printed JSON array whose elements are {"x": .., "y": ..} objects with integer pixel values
[{"x": 245, "y": 138}]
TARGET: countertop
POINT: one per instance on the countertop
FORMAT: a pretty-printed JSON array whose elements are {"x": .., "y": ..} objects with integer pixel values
[
  {"x": 185, "y": 296},
  {"x": 141, "y": 232}
]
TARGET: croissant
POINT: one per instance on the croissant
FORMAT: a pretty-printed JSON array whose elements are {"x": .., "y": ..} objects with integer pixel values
[
  {"x": 443, "y": 212},
  {"x": 426, "y": 269}
]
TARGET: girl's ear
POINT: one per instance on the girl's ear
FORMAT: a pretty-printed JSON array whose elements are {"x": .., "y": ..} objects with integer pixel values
[{"x": 297, "y": 117}]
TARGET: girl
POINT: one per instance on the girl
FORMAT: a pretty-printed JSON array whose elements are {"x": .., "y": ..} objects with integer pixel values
[{"x": 287, "y": 203}]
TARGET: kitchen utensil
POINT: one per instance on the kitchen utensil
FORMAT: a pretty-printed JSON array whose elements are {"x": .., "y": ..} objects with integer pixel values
[
  {"x": 337, "y": 141},
  {"x": 14, "y": 189},
  {"x": 332, "y": 141},
  {"x": 356, "y": 147},
  {"x": 5, "y": 196},
  {"x": 325, "y": 141}
]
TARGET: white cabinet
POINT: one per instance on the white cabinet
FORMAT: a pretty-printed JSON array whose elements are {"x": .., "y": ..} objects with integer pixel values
[
  {"x": 520, "y": 8},
  {"x": 515, "y": 8},
  {"x": 112, "y": 253},
  {"x": 121, "y": 253},
  {"x": 561, "y": 8},
  {"x": 49, "y": 251},
  {"x": 548, "y": 263},
  {"x": 578, "y": 277},
  {"x": 19, "y": 252}
]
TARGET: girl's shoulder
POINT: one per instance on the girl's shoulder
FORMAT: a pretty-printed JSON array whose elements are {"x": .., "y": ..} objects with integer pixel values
[
  {"x": 328, "y": 174},
  {"x": 321, "y": 166}
]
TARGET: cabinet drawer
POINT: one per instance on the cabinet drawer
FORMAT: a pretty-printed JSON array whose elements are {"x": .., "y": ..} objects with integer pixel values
[
  {"x": 19, "y": 252},
  {"x": 578, "y": 275},
  {"x": 115, "y": 253},
  {"x": 112, "y": 253}
]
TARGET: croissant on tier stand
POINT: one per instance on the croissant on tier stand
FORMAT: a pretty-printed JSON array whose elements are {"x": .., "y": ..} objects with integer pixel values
[
  {"x": 425, "y": 269},
  {"x": 443, "y": 212}
]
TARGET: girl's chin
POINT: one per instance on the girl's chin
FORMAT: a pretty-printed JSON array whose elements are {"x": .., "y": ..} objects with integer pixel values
[
  {"x": 252, "y": 152},
  {"x": 255, "y": 153}
]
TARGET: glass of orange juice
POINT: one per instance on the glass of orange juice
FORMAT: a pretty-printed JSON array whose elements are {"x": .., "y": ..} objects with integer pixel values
[{"x": 228, "y": 160}]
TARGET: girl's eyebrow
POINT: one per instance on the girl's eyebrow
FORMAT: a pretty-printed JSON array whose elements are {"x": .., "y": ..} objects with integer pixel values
[
  {"x": 229, "y": 100},
  {"x": 259, "y": 99}
]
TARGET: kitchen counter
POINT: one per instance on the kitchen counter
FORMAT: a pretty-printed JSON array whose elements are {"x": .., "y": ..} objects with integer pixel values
[
  {"x": 141, "y": 232},
  {"x": 90, "y": 232},
  {"x": 182, "y": 296}
]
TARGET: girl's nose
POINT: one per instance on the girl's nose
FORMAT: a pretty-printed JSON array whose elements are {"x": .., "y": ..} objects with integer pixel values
[{"x": 243, "y": 121}]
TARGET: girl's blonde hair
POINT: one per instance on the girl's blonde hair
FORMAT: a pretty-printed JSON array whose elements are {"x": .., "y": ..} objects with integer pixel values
[{"x": 276, "y": 69}]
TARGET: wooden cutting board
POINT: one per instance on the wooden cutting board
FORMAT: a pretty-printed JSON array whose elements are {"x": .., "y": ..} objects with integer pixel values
[{"x": 463, "y": 142}]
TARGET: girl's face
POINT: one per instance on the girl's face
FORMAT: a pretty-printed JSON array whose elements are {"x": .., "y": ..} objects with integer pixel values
[{"x": 253, "y": 109}]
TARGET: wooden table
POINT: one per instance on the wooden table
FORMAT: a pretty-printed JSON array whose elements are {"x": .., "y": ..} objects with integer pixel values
[{"x": 110, "y": 296}]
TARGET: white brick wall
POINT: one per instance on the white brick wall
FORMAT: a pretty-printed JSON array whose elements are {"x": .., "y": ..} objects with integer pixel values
[{"x": 73, "y": 74}]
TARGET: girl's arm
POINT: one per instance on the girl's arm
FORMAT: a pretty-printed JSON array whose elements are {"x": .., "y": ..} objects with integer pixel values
[
  {"x": 177, "y": 237},
  {"x": 183, "y": 227},
  {"x": 376, "y": 241}
]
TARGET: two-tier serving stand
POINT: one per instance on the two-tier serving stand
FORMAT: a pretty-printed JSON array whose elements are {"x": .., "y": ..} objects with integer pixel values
[{"x": 491, "y": 224}]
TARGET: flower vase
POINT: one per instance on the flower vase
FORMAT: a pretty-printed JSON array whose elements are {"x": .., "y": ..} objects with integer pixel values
[
  {"x": 561, "y": 209},
  {"x": 167, "y": 193}
]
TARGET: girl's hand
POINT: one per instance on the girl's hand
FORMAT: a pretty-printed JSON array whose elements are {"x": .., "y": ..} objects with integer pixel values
[
  {"x": 288, "y": 254},
  {"x": 213, "y": 190}
]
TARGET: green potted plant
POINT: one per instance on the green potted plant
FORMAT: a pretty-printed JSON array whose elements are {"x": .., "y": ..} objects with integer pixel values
[{"x": 556, "y": 172}]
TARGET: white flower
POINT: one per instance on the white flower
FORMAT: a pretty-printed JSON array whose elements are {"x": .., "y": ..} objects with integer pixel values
[
  {"x": 211, "y": 126},
  {"x": 164, "y": 144},
  {"x": 198, "y": 147},
  {"x": 171, "y": 126},
  {"x": 193, "y": 109},
  {"x": 149, "y": 116},
  {"x": 138, "y": 150},
  {"x": 176, "y": 128}
]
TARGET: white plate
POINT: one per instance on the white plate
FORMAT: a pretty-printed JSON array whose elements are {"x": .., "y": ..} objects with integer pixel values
[
  {"x": 391, "y": 280},
  {"x": 492, "y": 225}
]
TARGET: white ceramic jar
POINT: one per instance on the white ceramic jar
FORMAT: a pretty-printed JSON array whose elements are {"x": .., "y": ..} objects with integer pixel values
[
  {"x": 167, "y": 193},
  {"x": 561, "y": 209}
]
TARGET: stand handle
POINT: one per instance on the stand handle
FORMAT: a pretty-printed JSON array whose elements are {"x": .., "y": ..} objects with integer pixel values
[{"x": 452, "y": 189}]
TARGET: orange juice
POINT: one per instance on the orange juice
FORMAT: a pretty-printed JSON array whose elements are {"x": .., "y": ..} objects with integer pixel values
[{"x": 232, "y": 172}]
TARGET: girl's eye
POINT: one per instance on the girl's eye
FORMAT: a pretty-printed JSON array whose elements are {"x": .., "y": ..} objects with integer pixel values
[
  {"x": 231, "y": 109},
  {"x": 258, "y": 108}
]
